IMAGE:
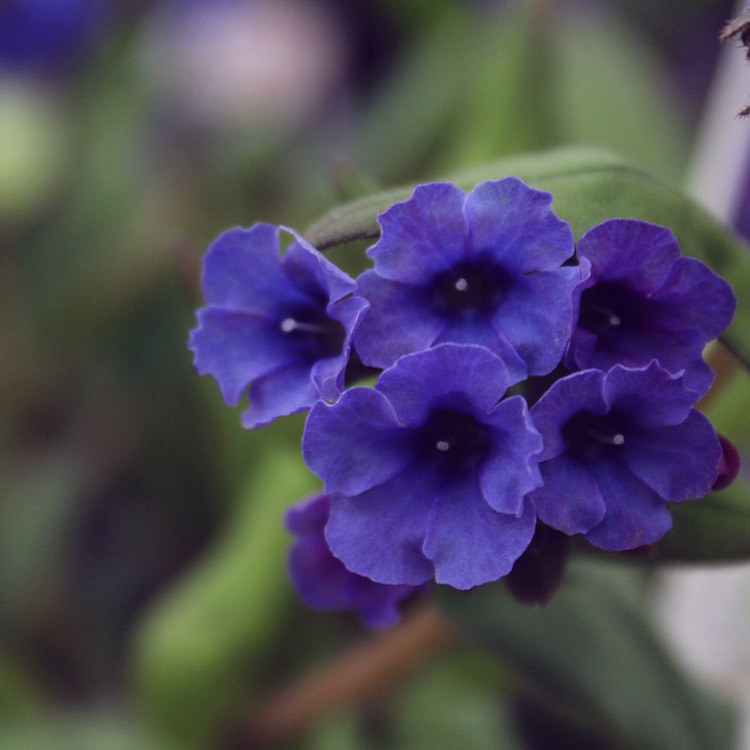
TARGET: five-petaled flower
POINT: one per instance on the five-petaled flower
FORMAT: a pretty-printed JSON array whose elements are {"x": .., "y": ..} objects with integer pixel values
[
  {"x": 322, "y": 581},
  {"x": 618, "y": 446},
  {"x": 484, "y": 268},
  {"x": 644, "y": 301},
  {"x": 279, "y": 327},
  {"x": 429, "y": 470}
]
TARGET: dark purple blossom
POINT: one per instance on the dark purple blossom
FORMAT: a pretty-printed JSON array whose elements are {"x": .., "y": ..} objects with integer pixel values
[
  {"x": 428, "y": 470},
  {"x": 619, "y": 446},
  {"x": 276, "y": 329},
  {"x": 644, "y": 301},
  {"x": 729, "y": 466},
  {"x": 322, "y": 581},
  {"x": 483, "y": 268}
]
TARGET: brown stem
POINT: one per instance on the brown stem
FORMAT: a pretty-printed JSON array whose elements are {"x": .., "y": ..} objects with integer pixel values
[{"x": 366, "y": 668}]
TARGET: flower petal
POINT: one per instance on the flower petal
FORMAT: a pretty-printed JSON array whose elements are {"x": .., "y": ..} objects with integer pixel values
[
  {"x": 636, "y": 343},
  {"x": 573, "y": 393},
  {"x": 379, "y": 533},
  {"x": 632, "y": 251},
  {"x": 537, "y": 317},
  {"x": 569, "y": 500},
  {"x": 471, "y": 544},
  {"x": 242, "y": 270},
  {"x": 456, "y": 372},
  {"x": 680, "y": 462},
  {"x": 517, "y": 225},
  {"x": 356, "y": 443},
  {"x": 285, "y": 391},
  {"x": 421, "y": 236},
  {"x": 697, "y": 297},
  {"x": 322, "y": 581},
  {"x": 398, "y": 322},
  {"x": 308, "y": 516},
  {"x": 328, "y": 373},
  {"x": 309, "y": 270},
  {"x": 636, "y": 515},
  {"x": 511, "y": 470},
  {"x": 649, "y": 396},
  {"x": 482, "y": 333},
  {"x": 237, "y": 347}
]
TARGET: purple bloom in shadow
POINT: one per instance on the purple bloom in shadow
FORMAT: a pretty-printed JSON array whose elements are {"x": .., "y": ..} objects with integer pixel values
[
  {"x": 729, "y": 466},
  {"x": 644, "y": 301},
  {"x": 619, "y": 446},
  {"x": 428, "y": 470},
  {"x": 45, "y": 35},
  {"x": 483, "y": 268},
  {"x": 278, "y": 329},
  {"x": 322, "y": 581}
]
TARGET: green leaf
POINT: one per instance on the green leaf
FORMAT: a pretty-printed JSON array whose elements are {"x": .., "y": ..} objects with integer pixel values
[
  {"x": 591, "y": 652},
  {"x": 506, "y": 98},
  {"x": 79, "y": 731},
  {"x": 199, "y": 653},
  {"x": 21, "y": 698},
  {"x": 715, "y": 529},
  {"x": 473, "y": 715},
  {"x": 338, "y": 732},
  {"x": 415, "y": 108},
  {"x": 610, "y": 88},
  {"x": 589, "y": 186}
]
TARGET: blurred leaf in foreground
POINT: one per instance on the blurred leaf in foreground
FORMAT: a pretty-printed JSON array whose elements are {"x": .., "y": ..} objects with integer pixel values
[{"x": 591, "y": 652}]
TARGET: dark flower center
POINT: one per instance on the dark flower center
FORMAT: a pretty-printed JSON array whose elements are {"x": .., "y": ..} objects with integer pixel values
[
  {"x": 314, "y": 334},
  {"x": 591, "y": 437},
  {"x": 469, "y": 288},
  {"x": 608, "y": 308},
  {"x": 454, "y": 441}
]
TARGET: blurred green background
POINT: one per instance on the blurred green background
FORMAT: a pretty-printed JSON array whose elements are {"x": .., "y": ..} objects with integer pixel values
[{"x": 143, "y": 595}]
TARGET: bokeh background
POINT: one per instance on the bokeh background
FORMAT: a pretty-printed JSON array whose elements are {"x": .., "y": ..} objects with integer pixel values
[{"x": 143, "y": 595}]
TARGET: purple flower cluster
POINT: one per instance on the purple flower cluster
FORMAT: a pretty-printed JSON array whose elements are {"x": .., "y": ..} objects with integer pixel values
[{"x": 524, "y": 379}]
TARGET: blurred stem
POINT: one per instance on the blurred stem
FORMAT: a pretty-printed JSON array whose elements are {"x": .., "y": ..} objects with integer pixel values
[
  {"x": 348, "y": 678},
  {"x": 722, "y": 145},
  {"x": 716, "y": 179}
]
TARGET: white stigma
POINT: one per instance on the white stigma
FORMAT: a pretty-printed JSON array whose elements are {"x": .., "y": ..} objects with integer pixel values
[
  {"x": 461, "y": 284},
  {"x": 612, "y": 318},
  {"x": 617, "y": 439},
  {"x": 288, "y": 325},
  {"x": 442, "y": 445}
]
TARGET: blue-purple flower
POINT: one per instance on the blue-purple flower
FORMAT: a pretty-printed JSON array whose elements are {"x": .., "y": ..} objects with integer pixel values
[
  {"x": 483, "y": 268},
  {"x": 276, "y": 329},
  {"x": 322, "y": 581},
  {"x": 644, "y": 301},
  {"x": 618, "y": 447},
  {"x": 44, "y": 35},
  {"x": 429, "y": 470}
]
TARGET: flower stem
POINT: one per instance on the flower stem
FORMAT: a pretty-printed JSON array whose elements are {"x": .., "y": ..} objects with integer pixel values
[
  {"x": 348, "y": 678},
  {"x": 722, "y": 146}
]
